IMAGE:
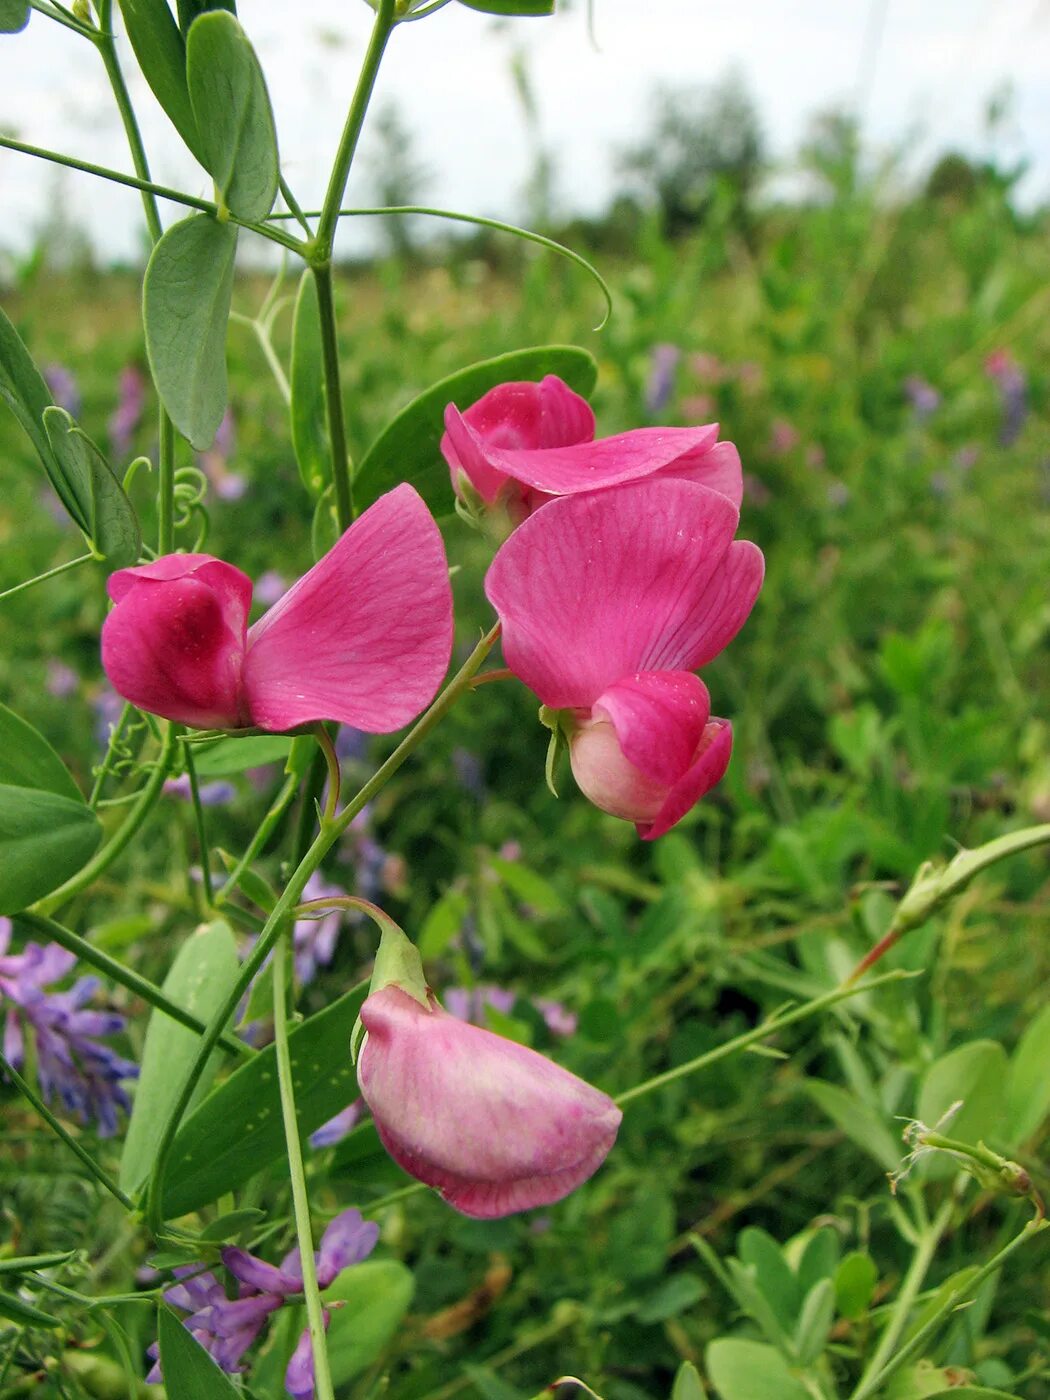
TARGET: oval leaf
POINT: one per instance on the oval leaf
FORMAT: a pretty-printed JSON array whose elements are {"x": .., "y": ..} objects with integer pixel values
[
  {"x": 511, "y": 8},
  {"x": 742, "y": 1370},
  {"x": 44, "y": 839},
  {"x": 113, "y": 528},
  {"x": 188, "y": 10},
  {"x": 237, "y": 1130},
  {"x": 233, "y": 114},
  {"x": 204, "y": 970},
  {"x": 226, "y": 756},
  {"x": 161, "y": 53},
  {"x": 1028, "y": 1086},
  {"x": 687, "y": 1383},
  {"x": 27, "y": 760},
  {"x": 975, "y": 1075},
  {"x": 186, "y": 305},
  {"x": 14, "y": 15},
  {"x": 308, "y": 407},
  {"x": 409, "y": 448},
  {"x": 189, "y": 1372},
  {"x": 859, "y": 1122},
  {"x": 376, "y": 1295}
]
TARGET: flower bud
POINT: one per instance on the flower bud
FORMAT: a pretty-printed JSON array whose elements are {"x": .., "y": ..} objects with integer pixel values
[{"x": 494, "y": 1126}]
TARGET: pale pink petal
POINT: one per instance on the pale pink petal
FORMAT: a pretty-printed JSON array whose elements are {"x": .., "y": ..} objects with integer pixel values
[
  {"x": 659, "y": 717},
  {"x": 494, "y": 1126},
  {"x": 708, "y": 768},
  {"x": 596, "y": 587},
  {"x": 587, "y": 466},
  {"x": 717, "y": 468},
  {"x": 363, "y": 638}
]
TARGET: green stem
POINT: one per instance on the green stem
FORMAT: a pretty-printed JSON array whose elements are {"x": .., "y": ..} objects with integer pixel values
[
  {"x": 42, "y": 578},
  {"x": 62, "y": 19},
  {"x": 300, "y": 1199},
  {"x": 166, "y": 486},
  {"x": 111, "y": 748},
  {"x": 114, "y": 847},
  {"x": 331, "y": 758},
  {"x": 929, "y": 1239},
  {"x": 101, "y": 1176},
  {"x": 274, "y": 926},
  {"x": 741, "y": 1042},
  {"x": 202, "y": 833},
  {"x": 278, "y": 807},
  {"x": 124, "y": 977},
  {"x": 293, "y": 205},
  {"x": 340, "y": 452}
]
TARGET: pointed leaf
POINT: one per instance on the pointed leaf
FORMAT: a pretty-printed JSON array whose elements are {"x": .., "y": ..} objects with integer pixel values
[
  {"x": 14, "y": 15},
  {"x": 237, "y": 1130},
  {"x": 25, "y": 1314},
  {"x": 1028, "y": 1085},
  {"x": 408, "y": 448},
  {"x": 189, "y": 1372},
  {"x": 308, "y": 411},
  {"x": 27, "y": 760},
  {"x": 161, "y": 52},
  {"x": 204, "y": 969},
  {"x": 376, "y": 1295},
  {"x": 859, "y": 1122},
  {"x": 814, "y": 1322},
  {"x": 44, "y": 839},
  {"x": 186, "y": 305},
  {"x": 113, "y": 528},
  {"x": 233, "y": 113},
  {"x": 226, "y": 756},
  {"x": 976, "y": 1075},
  {"x": 687, "y": 1383}
]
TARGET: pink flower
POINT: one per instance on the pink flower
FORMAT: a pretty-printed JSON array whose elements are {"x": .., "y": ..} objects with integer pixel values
[
  {"x": 364, "y": 638},
  {"x": 608, "y": 602},
  {"x": 522, "y": 444},
  {"x": 494, "y": 1126}
]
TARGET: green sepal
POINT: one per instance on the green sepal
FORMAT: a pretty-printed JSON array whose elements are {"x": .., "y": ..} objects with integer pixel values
[{"x": 397, "y": 964}]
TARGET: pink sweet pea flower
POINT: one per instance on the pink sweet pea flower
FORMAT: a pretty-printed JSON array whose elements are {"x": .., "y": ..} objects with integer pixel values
[
  {"x": 494, "y": 1126},
  {"x": 608, "y": 602},
  {"x": 364, "y": 638},
  {"x": 522, "y": 444}
]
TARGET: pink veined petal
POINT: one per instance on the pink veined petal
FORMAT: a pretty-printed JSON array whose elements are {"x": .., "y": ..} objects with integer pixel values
[
  {"x": 719, "y": 613},
  {"x": 363, "y": 638},
  {"x": 596, "y": 587},
  {"x": 587, "y": 466},
  {"x": 659, "y": 718},
  {"x": 717, "y": 468},
  {"x": 521, "y": 414},
  {"x": 708, "y": 768}
]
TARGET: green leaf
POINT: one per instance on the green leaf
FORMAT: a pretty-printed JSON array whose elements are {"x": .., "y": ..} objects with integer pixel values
[
  {"x": 855, "y": 1280},
  {"x": 233, "y": 114},
  {"x": 188, "y": 10},
  {"x": 1028, "y": 1084},
  {"x": 408, "y": 448},
  {"x": 976, "y": 1074},
  {"x": 23, "y": 389},
  {"x": 27, "y": 760},
  {"x": 490, "y": 1386},
  {"x": 112, "y": 525},
  {"x": 819, "y": 1258},
  {"x": 308, "y": 409},
  {"x": 814, "y": 1321},
  {"x": 377, "y": 1295},
  {"x": 640, "y": 1236},
  {"x": 228, "y": 1226},
  {"x": 237, "y": 1130},
  {"x": 45, "y": 838},
  {"x": 773, "y": 1275},
  {"x": 14, "y": 15},
  {"x": 189, "y": 1372},
  {"x": 186, "y": 306},
  {"x": 528, "y": 886},
  {"x": 742, "y": 1370},
  {"x": 226, "y": 756},
  {"x": 161, "y": 53},
  {"x": 204, "y": 969},
  {"x": 860, "y": 1123},
  {"x": 24, "y": 1314},
  {"x": 670, "y": 1298},
  {"x": 687, "y": 1383},
  {"x": 511, "y": 8},
  {"x": 443, "y": 921}
]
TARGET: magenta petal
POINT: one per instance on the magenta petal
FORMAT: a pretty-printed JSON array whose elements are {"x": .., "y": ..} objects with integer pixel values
[
  {"x": 708, "y": 768},
  {"x": 718, "y": 614},
  {"x": 718, "y": 468},
  {"x": 363, "y": 638},
  {"x": 174, "y": 642},
  {"x": 494, "y": 1126},
  {"x": 659, "y": 718},
  {"x": 596, "y": 587}
]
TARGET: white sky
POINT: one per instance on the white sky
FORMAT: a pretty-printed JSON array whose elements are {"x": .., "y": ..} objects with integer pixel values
[{"x": 933, "y": 72}]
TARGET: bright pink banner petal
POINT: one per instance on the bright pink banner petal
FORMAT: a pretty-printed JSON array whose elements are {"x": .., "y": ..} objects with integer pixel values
[
  {"x": 594, "y": 588},
  {"x": 363, "y": 638},
  {"x": 708, "y": 768},
  {"x": 717, "y": 468},
  {"x": 659, "y": 718},
  {"x": 718, "y": 613}
]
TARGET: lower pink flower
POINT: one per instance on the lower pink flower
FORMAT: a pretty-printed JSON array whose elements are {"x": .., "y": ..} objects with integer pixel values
[{"x": 494, "y": 1126}]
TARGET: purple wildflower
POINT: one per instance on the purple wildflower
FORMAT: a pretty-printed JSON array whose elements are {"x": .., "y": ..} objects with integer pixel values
[
  {"x": 471, "y": 1003},
  {"x": 269, "y": 586},
  {"x": 315, "y": 938},
  {"x": 85, "y": 1075},
  {"x": 328, "y": 1134},
  {"x": 62, "y": 680},
  {"x": 131, "y": 400},
  {"x": 469, "y": 772},
  {"x": 923, "y": 397},
  {"x": 1012, "y": 384},
  {"x": 64, "y": 389},
  {"x": 226, "y": 1327},
  {"x": 228, "y": 486},
  {"x": 784, "y": 437},
  {"x": 211, "y": 794},
  {"x": 108, "y": 707},
  {"x": 353, "y": 744},
  {"x": 663, "y": 362}
]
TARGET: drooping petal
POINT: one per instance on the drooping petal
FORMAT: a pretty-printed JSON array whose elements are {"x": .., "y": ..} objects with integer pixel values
[
  {"x": 494, "y": 1126},
  {"x": 597, "y": 587},
  {"x": 708, "y": 768},
  {"x": 515, "y": 415},
  {"x": 363, "y": 638},
  {"x": 348, "y": 1239},
  {"x": 174, "y": 642}
]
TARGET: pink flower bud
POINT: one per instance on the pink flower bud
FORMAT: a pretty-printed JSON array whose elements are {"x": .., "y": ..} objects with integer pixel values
[{"x": 494, "y": 1126}]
